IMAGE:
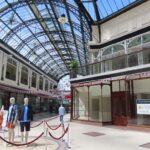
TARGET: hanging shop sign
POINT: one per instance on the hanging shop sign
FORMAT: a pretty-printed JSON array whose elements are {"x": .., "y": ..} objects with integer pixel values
[
  {"x": 104, "y": 81},
  {"x": 138, "y": 76},
  {"x": 98, "y": 82},
  {"x": 143, "y": 106}
]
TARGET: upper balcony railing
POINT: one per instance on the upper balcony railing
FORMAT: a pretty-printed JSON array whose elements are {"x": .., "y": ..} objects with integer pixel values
[{"x": 125, "y": 54}]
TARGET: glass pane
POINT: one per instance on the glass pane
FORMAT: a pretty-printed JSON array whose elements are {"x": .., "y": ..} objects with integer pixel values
[
  {"x": 117, "y": 48},
  {"x": 41, "y": 83},
  {"x": 146, "y": 38},
  {"x": 106, "y": 103},
  {"x": 119, "y": 63},
  {"x": 95, "y": 112},
  {"x": 134, "y": 42},
  {"x": 132, "y": 60},
  {"x": 11, "y": 70},
  {"x": 24, "y": 75},
  {"x": 146, "y": 57},
  {"x": 81, "y": 103},
  {"x": 33, "y": 82}
]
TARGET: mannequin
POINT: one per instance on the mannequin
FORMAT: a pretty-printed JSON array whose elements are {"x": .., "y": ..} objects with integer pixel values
[
  {"x": 11, "y": 119},
  {"x": 26, "y": 116},
  {"x": 1, "y": 116}
]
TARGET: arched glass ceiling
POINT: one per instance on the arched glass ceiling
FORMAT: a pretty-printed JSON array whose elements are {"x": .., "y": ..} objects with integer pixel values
[{"x": 32, "y": 29}]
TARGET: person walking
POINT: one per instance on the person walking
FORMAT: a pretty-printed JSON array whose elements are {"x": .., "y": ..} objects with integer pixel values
[{"x": 61, "y": 111}]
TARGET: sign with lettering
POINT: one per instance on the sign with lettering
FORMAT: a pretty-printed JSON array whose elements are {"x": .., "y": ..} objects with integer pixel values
[{"x": 143, "y": 106}]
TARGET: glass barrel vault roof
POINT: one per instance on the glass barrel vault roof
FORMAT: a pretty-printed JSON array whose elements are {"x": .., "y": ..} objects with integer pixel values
[{"x": 32, "y": 29}]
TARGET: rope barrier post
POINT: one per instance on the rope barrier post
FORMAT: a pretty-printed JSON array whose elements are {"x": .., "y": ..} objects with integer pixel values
[
  {"x": 68, "y": 138},
  {"x": 62, "y": 131},
  {"x": 3, "y": 129},
  {"x": 18, "y": 127}
]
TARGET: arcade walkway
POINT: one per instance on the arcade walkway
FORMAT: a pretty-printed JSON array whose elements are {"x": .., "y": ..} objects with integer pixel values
[{"x": 83, "y": 137}]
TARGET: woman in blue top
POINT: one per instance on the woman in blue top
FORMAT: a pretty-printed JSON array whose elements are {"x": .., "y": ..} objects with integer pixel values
[{"x": 25, "y": 117}]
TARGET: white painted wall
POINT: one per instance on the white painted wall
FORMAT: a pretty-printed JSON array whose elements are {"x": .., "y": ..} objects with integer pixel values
[{"x": 130, "y": 21}]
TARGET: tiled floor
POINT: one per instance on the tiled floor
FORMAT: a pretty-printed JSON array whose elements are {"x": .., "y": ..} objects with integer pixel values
[{"x": 83, "y": 137}]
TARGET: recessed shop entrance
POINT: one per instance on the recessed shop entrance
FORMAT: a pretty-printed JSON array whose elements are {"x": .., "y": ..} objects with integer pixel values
[{"x": 119, "y": 111}]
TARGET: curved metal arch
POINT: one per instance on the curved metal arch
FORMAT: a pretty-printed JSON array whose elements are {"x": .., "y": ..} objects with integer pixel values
[
  {"x": 38, "y": 34},
  {"x": 54, "y": 70},
  {"x": 37, "y": 47},
  {"x": 58, "y": 3},
  {"x": 22, "y": 25},
  {"x": 62, "y": 76}
]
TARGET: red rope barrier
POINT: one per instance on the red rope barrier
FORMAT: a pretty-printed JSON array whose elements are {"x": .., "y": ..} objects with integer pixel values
[
  {"x": 51, "y": 127},
  {"x": 63, "y": 127},
  {"x": 60, "y": 136},
  {"x": 15, "y": 144},
  {"x": 37, "y": 125}
]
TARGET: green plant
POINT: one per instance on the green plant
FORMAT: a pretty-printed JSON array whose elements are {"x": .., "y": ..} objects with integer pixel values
[{"x": 73, "y": 64}]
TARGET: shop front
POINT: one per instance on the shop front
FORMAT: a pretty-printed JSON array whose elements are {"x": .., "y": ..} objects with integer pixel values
[{"x": 122, "y": 100}]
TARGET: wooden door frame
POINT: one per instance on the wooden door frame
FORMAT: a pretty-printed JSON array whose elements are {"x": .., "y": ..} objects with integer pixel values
[{"x": 122, "y": 118}]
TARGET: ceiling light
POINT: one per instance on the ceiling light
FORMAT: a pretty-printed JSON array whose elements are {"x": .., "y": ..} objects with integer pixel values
[{"x": 62, "y": 19}]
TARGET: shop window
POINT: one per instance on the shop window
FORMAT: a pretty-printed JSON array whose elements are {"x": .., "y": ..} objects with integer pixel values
[
  {"x": 46, "y": 85},
  {"x": 115, "y": 86},
  {"x": 134, "y": 42},
  {"x": 41, "y": 83},
  {"x": 80, "y": 103},
  {"x": 139, "y": 103},
  {"x": 132, "y": 60},
  {"x": 106, "y": 103},
  {"x": 95, "y": 103},
  {"x": 11, "y": 69},
  {"x": 119, "y": 63},
  {"x": 34, "y": 77},
  {"x": 146, "y": 57},
  {"x": 24, "y": 75},
  {"x": 146, "y": 38}
]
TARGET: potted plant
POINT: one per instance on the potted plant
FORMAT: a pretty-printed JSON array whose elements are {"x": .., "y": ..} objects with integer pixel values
[{"x": 73, "y": 68}]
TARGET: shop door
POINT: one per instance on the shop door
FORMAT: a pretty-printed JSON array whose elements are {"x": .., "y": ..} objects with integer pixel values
[{"x": 119, "y": 114}]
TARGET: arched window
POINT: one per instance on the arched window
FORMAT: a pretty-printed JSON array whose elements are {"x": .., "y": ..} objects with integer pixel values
[
  {"x": 134, "y": 42},
  {"x": 107, "y": 51},
  {"x": 24, "y": 75},
  {"x": 117, "y": 48},
  {"x": 11, "y": 69}
]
